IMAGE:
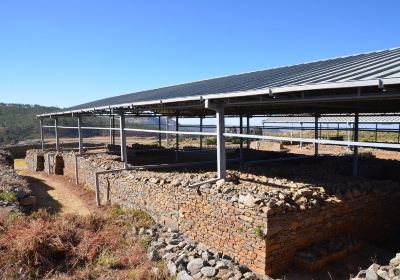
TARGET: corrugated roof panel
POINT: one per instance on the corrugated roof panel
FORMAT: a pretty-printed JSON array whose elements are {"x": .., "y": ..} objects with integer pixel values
[{"x": 368, "y": 66}]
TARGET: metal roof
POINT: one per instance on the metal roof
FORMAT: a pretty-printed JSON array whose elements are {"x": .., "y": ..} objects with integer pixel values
[
  {"x": 361, "y": 70},
  {"x": 389, "y": 119}
]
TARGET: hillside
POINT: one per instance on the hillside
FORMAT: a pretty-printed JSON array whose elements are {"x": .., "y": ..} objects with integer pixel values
[{"x": 18, "y": 121}]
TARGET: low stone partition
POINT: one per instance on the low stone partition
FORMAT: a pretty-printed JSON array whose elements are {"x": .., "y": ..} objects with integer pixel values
[
  {"x": 262, "y": 222},
  {"x": 35, "y": 160},
  {"x": 50, "y": 162}
]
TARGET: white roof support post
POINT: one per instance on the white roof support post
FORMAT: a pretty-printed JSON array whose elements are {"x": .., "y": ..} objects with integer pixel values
[
  {"x": 201, "y": 130},
  {"x": 56, "y": 134},
  {"x": 177, "y": 138},
  {"x": 241, "y": 141},
  {"x": 221, "y": 151},
  {"x": 316, "y": 136},
  {"x": 301, "y": 135},
  {"x": 248, "y": 132},
  {"x": 355, "y": 148},
  {"x": 122, "y": 136},
  {"x": 159, "y": 134},
  {"x": 338, "y": 131},
  {"x": 166, "y": 129},
  {"x": 398, "y": 135},
  {"x": 291, "y": 135},
  {"x": 80, "y": 135},
  {"x": 112, "y": 131},
  {"x": 41, "y": 133}
]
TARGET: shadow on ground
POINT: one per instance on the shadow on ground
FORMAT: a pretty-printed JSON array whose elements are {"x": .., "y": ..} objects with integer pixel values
[
  {"x": 344, "y": 268},
  {"x": 43, "y": 199}
]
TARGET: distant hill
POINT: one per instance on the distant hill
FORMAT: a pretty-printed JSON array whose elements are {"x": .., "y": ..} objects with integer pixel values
[{"x": 18, "y": 121}]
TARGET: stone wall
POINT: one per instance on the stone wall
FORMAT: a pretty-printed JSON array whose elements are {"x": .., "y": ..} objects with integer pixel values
[
  {"x": 259, "y": 221},
  {"x": 368, "y": 217}
]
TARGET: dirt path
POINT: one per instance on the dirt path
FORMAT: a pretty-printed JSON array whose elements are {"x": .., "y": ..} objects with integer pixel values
[{"x": 58, "y": 195}]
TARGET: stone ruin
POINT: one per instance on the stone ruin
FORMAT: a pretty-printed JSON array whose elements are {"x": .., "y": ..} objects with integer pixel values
[{"x": 261, "y": 222}]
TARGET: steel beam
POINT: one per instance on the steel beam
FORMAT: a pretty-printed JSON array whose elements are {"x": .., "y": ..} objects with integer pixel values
[
  {"x": 122, "y": 136},
  {"x": 56, "y": 134},
  {"x": 319, "y": 141},
  {"x": 80, "y": 136},
  {"x": 355, "y": 148}
]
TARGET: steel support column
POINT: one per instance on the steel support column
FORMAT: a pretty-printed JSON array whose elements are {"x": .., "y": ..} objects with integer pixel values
[
  {"x": 112, "y": 133},
  {"x": 337, "y": 131},
  {"x": 56, "y": 134},
  {"x": 176, "y": 138},
  {"x": 241, "y": 140},
  {"x": 291, "y": 135},
  {"x": 221, "y": 153},
  {"x": 355, "y": 148},
  {"x": 201, "y": 130},
  {"x": 316, "y": 135},
  {"x": 122, "y": 136},
  {"x": 348, "y": 132},
  {"x": 248, "y": 132},
  {"x": 41, "y": 133},
  {"x": 166, "y": 129},
  {"x": 301, "y": 135},
  {"x": 159, "y": 134},
  {"x": 80, "y": 136},
  {"x": 398, "y": 135}
]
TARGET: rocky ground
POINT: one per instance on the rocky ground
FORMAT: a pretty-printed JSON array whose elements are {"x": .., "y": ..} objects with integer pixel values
[
  {"x": 382, "y": 272},
  {"x": 15, "y": 194},
  {"x": 189, "y": 260}
]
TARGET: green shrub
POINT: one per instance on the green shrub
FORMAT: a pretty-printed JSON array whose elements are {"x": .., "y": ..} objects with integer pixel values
[
  {"x": 8, "y": 196},
  {"x": 145, "y": 242},
  {"x": 259, "y": 232},
  {"x": 210, "y": 141},
  {"x": 109, "y": 261},
  {"x": 130, "y": 217}
]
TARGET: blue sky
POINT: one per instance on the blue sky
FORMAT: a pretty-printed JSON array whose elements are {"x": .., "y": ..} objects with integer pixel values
[{"x": 68, "y": 52}]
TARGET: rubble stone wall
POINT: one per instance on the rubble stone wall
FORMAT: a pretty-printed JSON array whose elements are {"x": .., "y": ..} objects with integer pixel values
[
  {"x": 259, "y": 225},
  {"x": 368, "y": 217}
]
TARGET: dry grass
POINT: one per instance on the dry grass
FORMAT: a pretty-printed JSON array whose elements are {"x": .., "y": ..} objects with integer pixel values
[
  {"x": 103, "y": 246},
  {"x": 19, "y": 164}
]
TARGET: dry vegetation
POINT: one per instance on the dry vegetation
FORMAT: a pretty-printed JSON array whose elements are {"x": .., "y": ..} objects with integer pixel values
[{"x": 98, "y": 246}]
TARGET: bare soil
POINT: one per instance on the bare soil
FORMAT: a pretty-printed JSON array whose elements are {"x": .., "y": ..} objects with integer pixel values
[{"x": 58, "y": 195}]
